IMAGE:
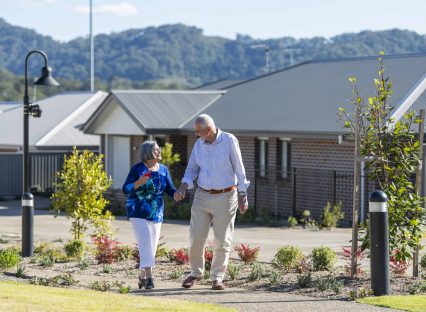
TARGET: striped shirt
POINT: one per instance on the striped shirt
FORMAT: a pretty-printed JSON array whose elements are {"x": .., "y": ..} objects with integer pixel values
[{"x": 218, "y": 165}]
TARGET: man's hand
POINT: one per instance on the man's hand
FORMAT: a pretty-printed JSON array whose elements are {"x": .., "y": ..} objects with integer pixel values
[
  {"x": 180, "y": 193},
  {"x": 242, "y": 203}
]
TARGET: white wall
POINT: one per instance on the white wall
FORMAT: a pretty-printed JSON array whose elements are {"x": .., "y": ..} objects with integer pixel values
[{"x": 118, "y": 158}]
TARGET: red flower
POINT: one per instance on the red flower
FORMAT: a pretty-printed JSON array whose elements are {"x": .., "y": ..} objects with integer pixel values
[{"x": 147, "y": 174}]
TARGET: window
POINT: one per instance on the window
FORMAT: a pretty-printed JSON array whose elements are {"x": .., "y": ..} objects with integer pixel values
[
  {"x": 262, "y": 156},
  {"x": 284, "y": 157}
]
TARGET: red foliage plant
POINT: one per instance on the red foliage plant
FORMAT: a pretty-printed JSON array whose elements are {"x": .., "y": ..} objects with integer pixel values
[
  {"x": 397, "y": 265},
  {"x": 359, "y": 256},
  {"x": 247, "y": 254},
  {"x": 180, "y": 256},
  {"x": 106, "y": 249}
]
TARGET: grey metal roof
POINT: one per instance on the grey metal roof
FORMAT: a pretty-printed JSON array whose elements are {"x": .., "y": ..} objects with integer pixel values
[
  {"x": 159, "y": 109},
  {"x": 420, "y": 103},
  {"x": 8, "y": 106},
  {"x": 60, "y": 114},
  {"x": 305, "y": 98},
  {"x": 222, "y": 84}
]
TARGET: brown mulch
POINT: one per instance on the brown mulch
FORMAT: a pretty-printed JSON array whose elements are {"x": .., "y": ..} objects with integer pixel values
[{"x": 126, "y": 272}]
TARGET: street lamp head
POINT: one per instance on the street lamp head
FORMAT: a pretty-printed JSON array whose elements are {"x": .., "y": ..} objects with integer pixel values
[{"x": 46, "y": 78}]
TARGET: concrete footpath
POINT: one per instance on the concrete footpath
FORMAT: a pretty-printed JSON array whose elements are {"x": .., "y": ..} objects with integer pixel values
[
  {"x": 49, "y": 228},
  {"x": 175, "y": 233},
  {"x": 256, "y": 301}
]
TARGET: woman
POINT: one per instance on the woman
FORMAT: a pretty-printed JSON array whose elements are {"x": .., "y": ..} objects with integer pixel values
[{"x": 145, "y": 185}]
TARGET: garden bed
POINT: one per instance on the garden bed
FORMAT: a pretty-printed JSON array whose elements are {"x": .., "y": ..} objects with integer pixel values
[{"x": 121, "y": 276}]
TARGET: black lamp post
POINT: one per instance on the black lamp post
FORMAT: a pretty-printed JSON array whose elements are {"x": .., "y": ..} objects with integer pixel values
[{"x": 27, "y": 198}]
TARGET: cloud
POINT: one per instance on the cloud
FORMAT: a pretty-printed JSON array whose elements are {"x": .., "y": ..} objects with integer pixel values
[
  {"x": 121, "y": 9},
  {"x": 33, "y": 3}
]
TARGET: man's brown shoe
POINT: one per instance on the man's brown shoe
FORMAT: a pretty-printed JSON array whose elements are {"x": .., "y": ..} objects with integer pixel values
[
  {"x": 217, "y": 285},
  {"x": 189, "y": 281}
]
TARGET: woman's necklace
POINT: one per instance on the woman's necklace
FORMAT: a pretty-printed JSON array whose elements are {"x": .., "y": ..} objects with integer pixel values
[{"x": 152, "y": 168}]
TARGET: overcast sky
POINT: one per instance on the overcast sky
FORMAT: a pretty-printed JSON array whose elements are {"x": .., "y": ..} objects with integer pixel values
[{"x": 68, "y": 19}]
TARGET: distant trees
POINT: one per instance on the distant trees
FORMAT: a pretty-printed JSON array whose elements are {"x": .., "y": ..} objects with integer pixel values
[{"x": 178, "y": 55}]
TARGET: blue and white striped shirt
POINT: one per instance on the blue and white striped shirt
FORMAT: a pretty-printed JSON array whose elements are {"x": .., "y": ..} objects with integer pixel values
[{"x": 218, "y": 165}]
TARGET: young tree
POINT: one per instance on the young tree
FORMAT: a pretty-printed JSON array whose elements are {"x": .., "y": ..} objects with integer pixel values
[
  {"x": 393, "y": 149},
  {"x": 79, "y": 193},
  {"x": 168, "y": 157}
]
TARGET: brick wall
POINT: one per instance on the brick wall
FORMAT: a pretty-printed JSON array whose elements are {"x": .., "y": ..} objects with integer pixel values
[
  {"x": 321, "y": 171},
  {"x": 180, "y": 146}
]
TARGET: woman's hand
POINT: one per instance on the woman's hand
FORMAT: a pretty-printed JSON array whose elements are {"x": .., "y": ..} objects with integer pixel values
[
  {"x": 180, "y": 193},
  {"x": 141, "y": 181}
]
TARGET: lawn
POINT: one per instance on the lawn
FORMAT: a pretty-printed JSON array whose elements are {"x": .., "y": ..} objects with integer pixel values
[
  {"x": 23, "y": 297},
  {"x": 415, "y": 303}
]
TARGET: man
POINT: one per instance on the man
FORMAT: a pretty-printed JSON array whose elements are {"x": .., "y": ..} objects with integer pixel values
[{"x": 217, "y": 165}]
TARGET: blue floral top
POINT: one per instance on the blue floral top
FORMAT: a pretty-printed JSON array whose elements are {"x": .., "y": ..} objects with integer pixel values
[{"x": 147, "y": 202}]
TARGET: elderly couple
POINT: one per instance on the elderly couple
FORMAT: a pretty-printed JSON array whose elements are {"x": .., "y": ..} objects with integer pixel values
[{"x": 216, "y": 164}]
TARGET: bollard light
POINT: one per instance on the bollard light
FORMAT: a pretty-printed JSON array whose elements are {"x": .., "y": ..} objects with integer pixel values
[
  {"x": 27, "y": 225},
  {"x": 379, "y": 243}
]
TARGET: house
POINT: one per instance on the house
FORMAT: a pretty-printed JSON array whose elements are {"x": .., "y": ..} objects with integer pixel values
[
  {"x": 126, "y": 118},
  {"x": 288, "y": 129},
  {"x": 50, "y": 136}
]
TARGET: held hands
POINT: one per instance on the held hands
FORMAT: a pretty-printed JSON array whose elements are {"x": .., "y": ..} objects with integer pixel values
[
  {"x": 242, "y": 204},
  {"x": 180, "y": 193}
]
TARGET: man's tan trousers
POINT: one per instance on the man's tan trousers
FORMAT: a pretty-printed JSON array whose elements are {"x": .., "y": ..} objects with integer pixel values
[{"x": 219, "y": 210}]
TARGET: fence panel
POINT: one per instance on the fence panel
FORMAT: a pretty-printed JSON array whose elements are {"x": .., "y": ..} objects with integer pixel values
[{"x": 43, "y": 168}]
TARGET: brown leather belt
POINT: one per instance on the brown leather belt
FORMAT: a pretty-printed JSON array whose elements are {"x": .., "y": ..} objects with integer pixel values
[{"x": 231, "y": 188}]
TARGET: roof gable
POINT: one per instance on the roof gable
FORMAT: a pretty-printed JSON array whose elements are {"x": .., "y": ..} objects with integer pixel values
[{"x": 153, "y": 110}]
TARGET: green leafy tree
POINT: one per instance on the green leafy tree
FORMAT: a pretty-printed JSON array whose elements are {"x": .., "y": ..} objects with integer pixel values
[
  {"x": 168, "y": 157},
  {"x": 79, "y": 193},
  {"x": 393, "y": 148}
]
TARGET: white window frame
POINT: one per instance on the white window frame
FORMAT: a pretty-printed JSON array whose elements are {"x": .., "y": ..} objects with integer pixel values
[
  {"x": 284, "y": 157},
  {"x": 262, "y": 156}
]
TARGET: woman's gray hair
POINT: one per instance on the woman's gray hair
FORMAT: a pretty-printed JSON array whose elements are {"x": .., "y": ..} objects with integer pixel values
[
  {"x": 146, "y": 150},
  {"x": 205, "y": 121}
]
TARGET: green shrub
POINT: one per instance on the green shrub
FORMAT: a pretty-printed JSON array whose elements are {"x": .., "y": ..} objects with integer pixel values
[
  {"x": 248, "y": 217},
  {"x": 107, "y": 268},
  {"x": 58, "y": 280},
  {"x": 124, "y": 252},
  {"x": 101, "y": 285},
  {"x": 206, "y": 274},
  {"x": 42, "y": 248},
  {"x": 292, "y": 221},
  {"x": 419, "y": 287},
  {"x": 124, "y": 289},
  {"x": 176, "y": 273},
  {"x": 423, "y": 263},
  {"x": 323, "y": 258},
  {"x": 233, "y": 271},
  {"x": 9, "y": 258},
  {"x": 275, "y": 278},
  {"x": 56, "y": 255},
  {"x": 181, "y": 211},
  {"x": 84, "y": 263},
  {"x": 330, "y": 218},
  {"x": 304, "y": 280},
  {"x": 256, "y": 272},
  {"x": 75, "y": 248},
  {"x": 288, "y": 258},
  {"x": 329, "y": 283},
  {"x": 21, "y": 270}
]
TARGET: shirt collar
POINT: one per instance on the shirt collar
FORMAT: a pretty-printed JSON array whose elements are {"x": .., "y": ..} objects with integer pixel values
[{"x": 219, "y": 138}]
